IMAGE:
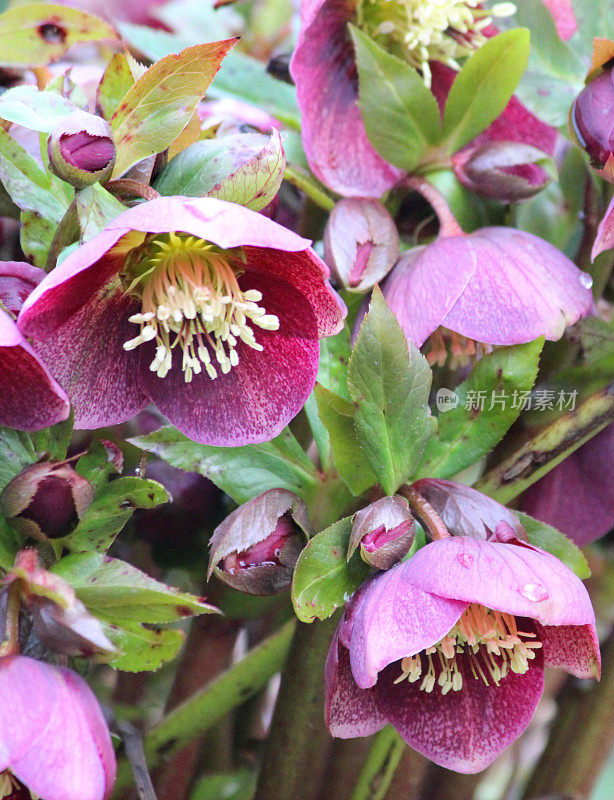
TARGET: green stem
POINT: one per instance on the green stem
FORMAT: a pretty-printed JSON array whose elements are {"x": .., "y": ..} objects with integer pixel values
[
  {"x": 66, "y": 233},
  {"x": 206, "y": 707},
  {"x": 380, "y": 765},
  {"x": 298, "y": 720},
  {"x": 299, "y": 178},
  {"x": 549, "y": 447}
]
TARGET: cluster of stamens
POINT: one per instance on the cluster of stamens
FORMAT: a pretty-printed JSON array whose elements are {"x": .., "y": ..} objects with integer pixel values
[
  {"x": 10, "y": 787},
  {"x": 489, "y": 643},
  {"x": 444, "y": 346},
  {"x": 191, "y": 300},
  {"x": 420, "y": 31}
]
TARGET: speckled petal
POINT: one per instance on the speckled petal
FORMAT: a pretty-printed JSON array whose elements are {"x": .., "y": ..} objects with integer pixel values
[{"x": 574, "y": 648}]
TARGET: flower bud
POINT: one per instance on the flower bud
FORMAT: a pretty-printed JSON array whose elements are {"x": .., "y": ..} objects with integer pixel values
[
  {"x": 385, "y": 532},
  {"x": 256, "y": 547},
  {"x": 46, "y": 500},
  {"x": 504, "y": 171},
  {"x": 81, "y": 150},
  {"x": 591, "y": 121},
  {"x": 361, "y": 243}
]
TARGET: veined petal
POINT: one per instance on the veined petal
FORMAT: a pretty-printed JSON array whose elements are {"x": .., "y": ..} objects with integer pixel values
[{"x": 574, "y": 648}]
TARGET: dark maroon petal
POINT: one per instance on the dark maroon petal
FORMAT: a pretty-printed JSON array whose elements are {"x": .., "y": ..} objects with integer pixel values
[
  {"x": 466, "y": 730},
  {"x": 257, "y": 398},
  {"x": 324, "y": 70},
  {"x": 30, "y": 398},
  {"x": 87, "y": 358},
  {"x": 17, "y": 280},
  {"x": 349, "y": 711},
  {"x": 574, "y": 648}
]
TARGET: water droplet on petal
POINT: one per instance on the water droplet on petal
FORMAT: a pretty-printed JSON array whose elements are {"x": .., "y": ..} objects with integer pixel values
[
  {"x": 534, "y": 592},
  {"x": 586, "y": 280},
  {"x": 465, "y": 560}
]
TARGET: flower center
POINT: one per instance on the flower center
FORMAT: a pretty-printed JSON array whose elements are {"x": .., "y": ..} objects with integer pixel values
[
  {"x": 191, "y": 300},
  {"x": 420, "y": 31},
  {"x": 444, "y": 346},
  {"x": 488, "y": 641},
  {"x": 12, "y": 789}
]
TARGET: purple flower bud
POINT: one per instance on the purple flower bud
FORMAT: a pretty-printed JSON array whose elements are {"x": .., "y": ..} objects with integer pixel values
[
  {"x": 257, "y": 546},
  {"x": 81, "y": 150},
  {"x": 385, "y": 532},
  {"x": 504, "y": 171},
  {"x": 46, "y": 500},
  {"x": 591, "y": 119}
]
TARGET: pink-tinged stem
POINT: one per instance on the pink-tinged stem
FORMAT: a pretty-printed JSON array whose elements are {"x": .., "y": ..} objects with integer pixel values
[
  {"x": 425, "y": 513},
  {"x": 448, "y": 226},
  {"x": 126, "y": 187},
  {"x": 10, "y": 642}
]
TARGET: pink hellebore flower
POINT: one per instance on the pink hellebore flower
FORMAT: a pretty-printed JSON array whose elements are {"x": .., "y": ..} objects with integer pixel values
[
  {"x": 496, "y": 286},
  {"x": 577, "y": 496},
  {"x": 53, "y": 737},
  {"x": 324, "y": 69},
  {"x": 205, "y": 308},
  {"x": 450, "y": 646},
  {"x": 30, "y": 398}
]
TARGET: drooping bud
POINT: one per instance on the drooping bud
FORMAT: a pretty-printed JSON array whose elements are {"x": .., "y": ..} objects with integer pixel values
[
  {"x": 384, "y": 531},
  {"x": 46, "y": 500},
  {"x": 361, "y": 243},
  {"x": 504, "y": 171},
  {"x": 81, "y": 150},
  {"x": 591, "y": 122},
  {"x": 256, "y": 547}
]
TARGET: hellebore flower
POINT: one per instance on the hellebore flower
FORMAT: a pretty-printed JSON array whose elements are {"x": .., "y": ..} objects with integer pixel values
[
  {"x": 81, "y": 149},
  {"x": 591, "y": 119},
  {"x": 384, "y": 531},
  {"x": 450, "y": 646},
  {"x": 496, "y": 286},
  {"x": 30, "y": 398},
  {"x": 205, "y": 308},
  {"x": 54, "y": 740},
  {"x": 577, "y": 496},
  {"x": 430, "y": 37}
]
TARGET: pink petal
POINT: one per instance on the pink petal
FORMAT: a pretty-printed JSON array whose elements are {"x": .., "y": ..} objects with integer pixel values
[
  {"x": 605, "y": 233},
  {"x": 324, "y": 70},
  {"x": 394, "y": 619},
  {"x": 54, "y": 737},
  {"x": 564, "y": 17},
  {"x": 30, "y": 398},
  {"x": 519, "y": 580},
  {"x": 257, "y": 398},
  {"x": 87, "y": 358},
  {"x": 574, "y": 648},
  {"x": 349, "y": 711},
  {"x": 466, "y": 730},
  {"x": 522, "y": 288},
  {"x": 17, "y": 280}
]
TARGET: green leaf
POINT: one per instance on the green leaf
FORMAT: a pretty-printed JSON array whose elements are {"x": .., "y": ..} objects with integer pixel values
[
  {"x": 140, "y": 648},
  {"x": 95, "y": 466},
  {"x": 349, "y": 458},
  {"x": 242, "y": 168},
  {"x": 95, "y": 209},
  {"x": 161, "y": 103},
  {"x": 35, "y": 34},
  {"x": 484, "y": 86},
  {"x": 472, "y": 428},
  {"x": 238, "y": 785},
  {"x": 38, "y": 111},
  {"x": 110, "y": 511},
  {"x": 390, "y": 385},
  {"x": 117, "y": 79},
  {"x": 401, "y": 115},
  {"x": 35, "y": 237},
  {"x": 241, "y": 472},
  {"x": 53, "y": 443},
  {"x": 335, "y": 352},
  {"x": 548, "y": 538},
  {"x": 117, "y": 589},
  {"x": 16, "y": 453},
  {"x": 323, "y": 579},
  {"x": 9, "y": 545}
]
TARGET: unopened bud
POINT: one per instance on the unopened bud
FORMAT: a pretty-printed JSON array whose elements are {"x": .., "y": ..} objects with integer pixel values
[
  {"x": 81, "y": 150},
  {"x": 384, "y": 531},
  {"x": 361, "y": 243},
  {"x": 504, "y": 171},
  {"x": 46, "y": 500},
  {"x": 591, "y": 121},
  {"x": 256, "y": 547}
]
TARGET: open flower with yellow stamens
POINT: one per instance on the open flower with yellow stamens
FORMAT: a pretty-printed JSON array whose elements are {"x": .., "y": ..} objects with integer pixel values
[
  {"x": 209, "y": 310},
  {"x": 450, "y": 646}
]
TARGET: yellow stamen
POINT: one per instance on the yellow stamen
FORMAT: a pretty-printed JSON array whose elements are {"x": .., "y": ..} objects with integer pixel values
[
  {"x": 489, "y": 641},
  {"x": 191, "y": 300},
  {"x": 420, "y": 31}
]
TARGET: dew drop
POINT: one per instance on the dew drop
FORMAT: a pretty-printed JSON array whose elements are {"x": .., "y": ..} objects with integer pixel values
[
  {"x": 465, "y": 560},
  {"x": 534, "y": 592},
  {"x": 586, "y": 280}
]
